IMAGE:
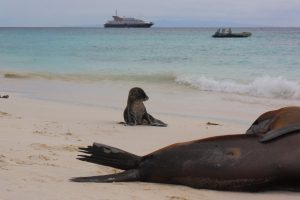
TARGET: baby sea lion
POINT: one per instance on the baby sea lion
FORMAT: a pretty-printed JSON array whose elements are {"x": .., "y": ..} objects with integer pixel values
[
  {"x": 229, "y": 162},
  {"x": 135, "y": 112},
  {"x": 281, "y": 121}
]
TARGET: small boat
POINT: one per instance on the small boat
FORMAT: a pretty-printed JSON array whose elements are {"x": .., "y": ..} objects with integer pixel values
[{"x": 227, "y": 33}]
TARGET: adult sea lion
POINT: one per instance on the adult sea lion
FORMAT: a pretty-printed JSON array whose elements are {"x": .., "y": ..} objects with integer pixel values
[
  {"x": 229, "y": 162},
  {"x": 135, "y": 112},
  {"x": 276, "y": 123}
]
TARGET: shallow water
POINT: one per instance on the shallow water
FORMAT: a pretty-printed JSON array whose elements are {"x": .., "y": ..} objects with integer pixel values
[{"x": 266, "y": 64}]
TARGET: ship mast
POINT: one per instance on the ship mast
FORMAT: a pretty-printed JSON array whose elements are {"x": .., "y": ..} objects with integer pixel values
[{"x": 116, "y": 17}]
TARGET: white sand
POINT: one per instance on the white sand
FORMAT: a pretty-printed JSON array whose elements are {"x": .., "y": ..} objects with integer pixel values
[{"x": 43, "y": 123}]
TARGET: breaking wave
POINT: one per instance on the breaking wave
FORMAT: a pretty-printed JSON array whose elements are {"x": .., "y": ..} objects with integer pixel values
[{"x": 266, "y": 86}]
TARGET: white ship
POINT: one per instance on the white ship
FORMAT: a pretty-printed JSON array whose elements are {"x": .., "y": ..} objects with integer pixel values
[{"x": 127, "y": 22}]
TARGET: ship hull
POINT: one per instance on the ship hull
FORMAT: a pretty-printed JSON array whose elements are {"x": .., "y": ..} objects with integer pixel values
[{"x": 128, "y": 25}]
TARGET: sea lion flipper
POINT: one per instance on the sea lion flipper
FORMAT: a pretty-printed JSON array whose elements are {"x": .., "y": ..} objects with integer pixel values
[
  {"x": 109, "y": 156},
  {"x": 271, "y": 135},
  {"x": 128, "y": 175},
  {"x": 155, "y": 122},
  {"x": 159, "y": 123},
  {"x": 260, "y": 127}
]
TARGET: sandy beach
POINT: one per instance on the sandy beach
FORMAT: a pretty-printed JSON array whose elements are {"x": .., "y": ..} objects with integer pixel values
[{"x": 44, "y": 122}]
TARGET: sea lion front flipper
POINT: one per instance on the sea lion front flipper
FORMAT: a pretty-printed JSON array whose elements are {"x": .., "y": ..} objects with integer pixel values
[
  {"x": 129, "y": 117},
  {"x": 126, "y": 176},
  {"x": 260, "y": 127},
  {"x": 131, "y": 121},
  {"x": 271, "y": 135}
]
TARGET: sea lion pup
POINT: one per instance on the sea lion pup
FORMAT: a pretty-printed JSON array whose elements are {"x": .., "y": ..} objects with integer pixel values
[
  {"x": 135, "y": 112},
  {"x": 281, "y": 121},
  {"x": 229, "y": 162}
]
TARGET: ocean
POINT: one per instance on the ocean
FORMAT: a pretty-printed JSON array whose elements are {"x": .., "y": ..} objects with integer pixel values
[{"x": 266, "y": 65}]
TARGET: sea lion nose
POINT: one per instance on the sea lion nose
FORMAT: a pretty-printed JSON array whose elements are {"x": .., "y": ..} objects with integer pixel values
[{"x": 146, "y": 98}]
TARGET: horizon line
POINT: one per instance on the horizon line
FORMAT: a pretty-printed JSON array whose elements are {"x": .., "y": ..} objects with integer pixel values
[{"x": 95, "y": 26}]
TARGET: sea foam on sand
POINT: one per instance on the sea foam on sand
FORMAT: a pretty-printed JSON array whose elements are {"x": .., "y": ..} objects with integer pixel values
[
  {"x": 44, "y": 122},
  {"x": 265, "y": 86}
]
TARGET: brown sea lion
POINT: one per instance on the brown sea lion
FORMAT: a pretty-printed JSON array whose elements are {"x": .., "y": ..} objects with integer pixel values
[
  {"x": 135, "y": 112},
  {"x": 229, "y": 162},
  {"x": 276, "y": 123}
]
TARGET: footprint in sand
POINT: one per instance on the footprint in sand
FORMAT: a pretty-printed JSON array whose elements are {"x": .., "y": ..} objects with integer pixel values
[
  {"x": 5, "y": 114},
  {"x": 176, "y": 198},
  {"x": 35, "y": 160},
  {"x": 3, "y": 162},
  {"x": 39, "y": 146},
  {"x": 45, "y": 155},
  {"x": 54, "y": 129},
  {"x": 40, "y": 157}
]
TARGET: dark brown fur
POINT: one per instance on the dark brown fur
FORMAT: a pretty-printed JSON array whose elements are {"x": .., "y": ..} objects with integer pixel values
[
  {"x": 230, "y": 162},
  {"x": 266, "y": 158},
  {"x": 135, "y": 112},
  {"x": 273, "y": 121}
]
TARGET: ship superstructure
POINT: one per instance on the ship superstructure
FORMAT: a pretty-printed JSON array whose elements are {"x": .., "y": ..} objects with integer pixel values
[{"x": 127, "y": 22}]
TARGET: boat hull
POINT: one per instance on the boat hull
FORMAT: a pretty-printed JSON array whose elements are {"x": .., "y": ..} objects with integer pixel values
[
  {"x": 148, "y": 25},
  {"x": 232, "y": 35}
]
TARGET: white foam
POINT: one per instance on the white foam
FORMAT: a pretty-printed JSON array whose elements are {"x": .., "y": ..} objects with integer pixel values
[{"x": 266, "y": 86}]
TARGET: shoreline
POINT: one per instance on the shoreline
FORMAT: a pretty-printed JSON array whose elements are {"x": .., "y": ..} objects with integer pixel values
[
  {"x": 264, "y": 86},
  {"x": 44, "y": 122}
]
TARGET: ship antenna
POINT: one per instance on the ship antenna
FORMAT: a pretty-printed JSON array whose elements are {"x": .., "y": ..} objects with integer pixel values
[{"x": 116, "y": 12}]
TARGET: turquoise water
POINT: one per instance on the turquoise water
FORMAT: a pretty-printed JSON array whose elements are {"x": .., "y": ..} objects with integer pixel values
[{"x": 266, "y": 64}]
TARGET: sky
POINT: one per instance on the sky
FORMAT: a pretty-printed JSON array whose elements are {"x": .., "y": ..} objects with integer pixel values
[{"x": 164, "y": 13}]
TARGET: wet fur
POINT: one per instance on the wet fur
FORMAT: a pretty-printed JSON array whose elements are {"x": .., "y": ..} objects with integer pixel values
[{"x": 135, "y": 112}]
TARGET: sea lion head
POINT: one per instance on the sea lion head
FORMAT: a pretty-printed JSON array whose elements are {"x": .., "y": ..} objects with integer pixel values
[{"x": 137, "y": 94}]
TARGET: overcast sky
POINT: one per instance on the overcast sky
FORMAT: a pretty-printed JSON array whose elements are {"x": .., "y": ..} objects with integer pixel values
[{"x": 162, "y": 12}]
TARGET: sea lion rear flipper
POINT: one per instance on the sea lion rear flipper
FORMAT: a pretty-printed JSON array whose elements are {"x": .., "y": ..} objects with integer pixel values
[
  {"x": 129, "y": 175},
  {"x": 155, "y": 122},
  {"x": 271, "y": 135},
  {"x": 109, "y": 156}
]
